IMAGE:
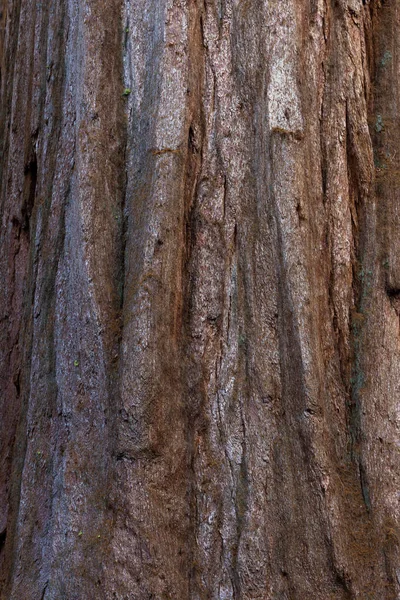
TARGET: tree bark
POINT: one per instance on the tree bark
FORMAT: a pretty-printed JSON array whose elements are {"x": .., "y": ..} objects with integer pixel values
[{"x": 200, "y": 299}]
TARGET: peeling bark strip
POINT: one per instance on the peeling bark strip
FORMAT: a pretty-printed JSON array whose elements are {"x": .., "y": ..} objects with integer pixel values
[{"x": 200, "y": 346}]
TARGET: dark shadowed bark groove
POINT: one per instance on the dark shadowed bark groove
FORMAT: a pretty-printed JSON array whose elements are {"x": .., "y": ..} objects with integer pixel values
[{"x": 200, "y": 299}]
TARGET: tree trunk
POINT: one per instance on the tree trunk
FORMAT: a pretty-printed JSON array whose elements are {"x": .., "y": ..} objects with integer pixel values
[{"x": 200, "y": 299}]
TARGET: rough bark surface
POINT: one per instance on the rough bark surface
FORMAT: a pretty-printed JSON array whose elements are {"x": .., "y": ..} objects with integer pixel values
[{"x": 200, "y": 299}]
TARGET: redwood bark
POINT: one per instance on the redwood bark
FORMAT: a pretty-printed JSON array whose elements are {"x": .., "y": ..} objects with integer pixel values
[{"x": 200, "y": 299}]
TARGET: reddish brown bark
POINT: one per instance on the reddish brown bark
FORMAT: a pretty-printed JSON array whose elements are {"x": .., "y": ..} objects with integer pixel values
[{"x": 200, "y": 361}]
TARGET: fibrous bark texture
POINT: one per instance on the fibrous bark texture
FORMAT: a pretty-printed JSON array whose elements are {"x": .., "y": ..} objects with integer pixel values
[{"x": 200, "y": 299}]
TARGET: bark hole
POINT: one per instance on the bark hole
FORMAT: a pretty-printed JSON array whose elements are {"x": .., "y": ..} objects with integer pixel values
[{"x": 394, "y": 297}]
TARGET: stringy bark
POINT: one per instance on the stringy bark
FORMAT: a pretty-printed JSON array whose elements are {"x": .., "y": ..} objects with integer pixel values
[{"x": 200, "y": 299}]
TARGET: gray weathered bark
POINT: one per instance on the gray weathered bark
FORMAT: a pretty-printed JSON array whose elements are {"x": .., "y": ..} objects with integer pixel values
[{"x": 200, "y": 267}]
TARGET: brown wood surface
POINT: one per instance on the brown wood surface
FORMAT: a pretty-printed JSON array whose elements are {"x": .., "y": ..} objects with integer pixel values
[{"x": 199, "y": 299}]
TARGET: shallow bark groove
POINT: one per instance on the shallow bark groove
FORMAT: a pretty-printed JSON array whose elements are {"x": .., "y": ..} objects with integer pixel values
[{"x": 200, "y": 357}]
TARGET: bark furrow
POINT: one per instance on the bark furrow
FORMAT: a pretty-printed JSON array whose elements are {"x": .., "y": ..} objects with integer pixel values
[{"x": 200, "y": 299}]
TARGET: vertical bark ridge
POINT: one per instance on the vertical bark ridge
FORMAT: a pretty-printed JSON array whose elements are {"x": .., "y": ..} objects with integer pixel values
[
  {"x": 200, "y": 308},
  {"x": 59, "y": 482},
  {"x": 149, "y": 543}
]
